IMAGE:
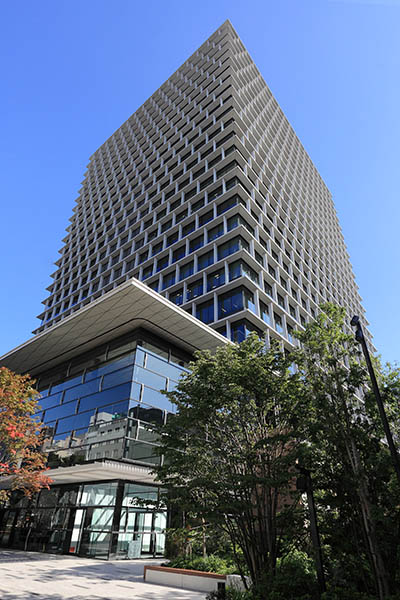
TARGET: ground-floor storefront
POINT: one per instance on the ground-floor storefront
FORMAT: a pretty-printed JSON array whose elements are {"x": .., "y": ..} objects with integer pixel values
[{"x": 106, "y": 520}]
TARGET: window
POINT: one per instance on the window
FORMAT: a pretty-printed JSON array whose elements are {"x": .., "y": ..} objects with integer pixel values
[
  {"x": 292, "y": 311},
  {"x": 215, "y": 279},
  {"x": 215, "y": 232},
  {"x": 239, "y": 268},
  {"x": 166, "y": 225},
  {"x": 186, "y": 270},
  {"x": 278, "y": 323},
  {"x": 144, "y": 256},
  {"x": 241, "y": 329},
  {"x": 232, "y": 246},
  {"x": 139, "y": 244},
  {"x": 147, "y": 272},
  {"x": 175, "y": 204},
  {"x": 194, "y": 289},
  {"x": 206, "y": 218},
  {"x": 224, "y": 206},
  {"x": 154, "y": 286},
  {"x": 227, "y": 168},
  {"x": 157, "y": 248},
  {"x": 172, "y": 239},
  {"x": 168, "y": 280},
  {"x": 230, "y": 303},
  {"x": 205, "y": 311},
  {"x": 264, "y": 313},
  {"x": 161, "y": 214},
  {"x": 268, "y": 288},
  {"x": 205, "y": 260},
  {"x": 188, "y": 229},
  {"x": 130, "y": 265},
  {"x": 215, "y": 193},
  {"x": 162, "y": 263},
  {"x": 196, "y": 243},
  {"x": 206, "y": 182},
  {"x": 232, "y": 222},
  {"x": 177, "y": 297},
  {"x": 178, "y": 253},
  {"x": 190, "y": 194},
  {"x": 281, "y": 300},
  {"x": 181, "y": 216}
]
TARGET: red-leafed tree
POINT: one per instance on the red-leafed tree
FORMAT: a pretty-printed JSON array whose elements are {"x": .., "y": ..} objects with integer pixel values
[{"x": 21, "y": 435}]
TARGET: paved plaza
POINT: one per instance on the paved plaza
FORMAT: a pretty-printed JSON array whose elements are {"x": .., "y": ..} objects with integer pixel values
[{"x": 36, "y": 576}]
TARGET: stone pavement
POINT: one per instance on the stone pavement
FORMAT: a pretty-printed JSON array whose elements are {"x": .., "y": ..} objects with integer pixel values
[{"x": 36, "y": 576}]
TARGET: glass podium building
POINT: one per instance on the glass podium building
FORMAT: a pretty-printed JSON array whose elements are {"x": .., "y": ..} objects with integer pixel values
[{"x": 200, "y": 219}]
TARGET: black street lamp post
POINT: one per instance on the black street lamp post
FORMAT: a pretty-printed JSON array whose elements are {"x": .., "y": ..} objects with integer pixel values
[
  {"x": 304, "y": 484},
  {"x": 355, "y": 322}
]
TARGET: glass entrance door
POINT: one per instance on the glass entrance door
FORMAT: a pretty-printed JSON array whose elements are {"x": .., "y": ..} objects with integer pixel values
[
  {"x": 96, "y": 532},
  {"x": 7, "y": 527},
  {"x": 76, "y": 534},
  {"x": 141, "y": 534}
]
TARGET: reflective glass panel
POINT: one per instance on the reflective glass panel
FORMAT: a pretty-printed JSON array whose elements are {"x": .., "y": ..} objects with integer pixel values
[
  {"x": 49, "y": 401},
  {"x": 149, "y": 414},
  {"x": 101, "y": 494},
  {"x": 111, "y": 366},
  {"x": 110, "y": 413},
  {"x": 66, "y": 384},
  {"x": 142, "y": 452},
  {"x": 148, "y": 378},
  {"x": 157, "y": 399},
  {"x": 100, "y": 518},
  {"x": 82, "y": 390},
  {"x": 117, "y": 377},
  {"x": 161, "y": 366},
  {"x": 120, "y": 392},
  {"x": 75, "y": 422},
  {"x": 147, "y": 433},
  {"x": 60, "y": 411}
]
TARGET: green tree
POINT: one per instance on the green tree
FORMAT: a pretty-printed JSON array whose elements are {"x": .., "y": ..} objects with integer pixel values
[
  {"x": 231, "y": 448},
  {"x": 346, "y": 451}
]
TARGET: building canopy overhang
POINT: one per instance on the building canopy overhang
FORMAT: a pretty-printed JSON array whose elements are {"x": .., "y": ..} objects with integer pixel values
[
  {"x": 105, "y": 470},
  {"x": 129, "y": 306}
]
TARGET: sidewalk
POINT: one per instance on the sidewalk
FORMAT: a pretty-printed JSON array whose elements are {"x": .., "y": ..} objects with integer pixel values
[{"x": 36, "y": 576}]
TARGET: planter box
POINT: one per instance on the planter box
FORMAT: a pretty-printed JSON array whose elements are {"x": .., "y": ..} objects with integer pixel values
[{"x": 200, "y": 581}]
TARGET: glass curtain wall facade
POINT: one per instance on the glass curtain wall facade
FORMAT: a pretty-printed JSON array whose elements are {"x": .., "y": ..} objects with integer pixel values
[
  {"x": 105, "y": 404},
  {"x": 100, "y": 406},
  {"x": 112, "y": 519}
]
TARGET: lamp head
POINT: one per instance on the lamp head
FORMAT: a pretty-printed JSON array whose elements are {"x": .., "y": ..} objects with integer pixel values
[{"x": 355, "y": 321}]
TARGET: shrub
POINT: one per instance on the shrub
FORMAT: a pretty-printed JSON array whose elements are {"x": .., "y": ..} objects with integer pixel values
[
  {"x": 230, "y": 594},
  {"x": 295, "y": 579},
  {"x": 211, "y": 564},
  {"x": 346, "y": 594}
]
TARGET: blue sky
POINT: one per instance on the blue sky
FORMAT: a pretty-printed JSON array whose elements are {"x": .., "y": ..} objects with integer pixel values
[{"x": 73, "y": 70}]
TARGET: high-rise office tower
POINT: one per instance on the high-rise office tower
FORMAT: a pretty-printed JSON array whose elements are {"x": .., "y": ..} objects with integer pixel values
[
  {"x": 207, "y": 195},
  {"x": 201, "y": 219}
]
